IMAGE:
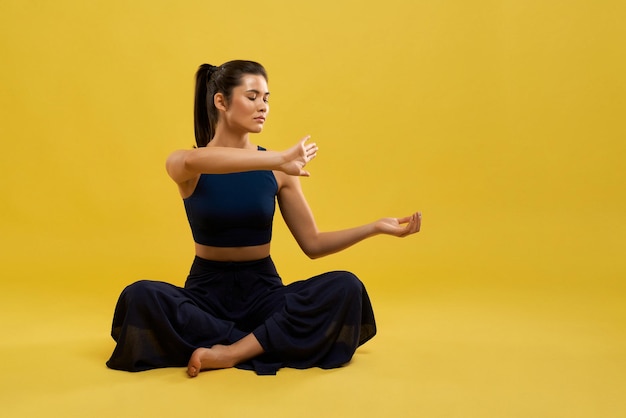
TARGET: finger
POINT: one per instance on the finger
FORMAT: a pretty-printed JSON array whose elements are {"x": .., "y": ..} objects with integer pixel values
[
  {"x": 417, "y": 222},
  {"x": 413, "y": 224},
  {"x": 410, "y": 227},
  {"x": 311, "y": 149}
]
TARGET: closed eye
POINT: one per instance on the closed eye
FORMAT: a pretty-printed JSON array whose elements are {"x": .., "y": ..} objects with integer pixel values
[
  {"x": 266, "y": 98},
  {"x": 255, "y": 93}
]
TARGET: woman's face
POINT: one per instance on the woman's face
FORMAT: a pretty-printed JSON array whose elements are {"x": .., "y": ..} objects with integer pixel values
[{"x": 248, "y": 105}]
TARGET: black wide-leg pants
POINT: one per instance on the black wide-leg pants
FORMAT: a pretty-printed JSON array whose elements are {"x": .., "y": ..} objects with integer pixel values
[{"x": 318, "y": 322}]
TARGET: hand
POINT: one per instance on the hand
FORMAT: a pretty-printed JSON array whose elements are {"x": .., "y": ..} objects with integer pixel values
[
  {"x": 400, "y": 227},
  {"x": 297, "y": 157}
]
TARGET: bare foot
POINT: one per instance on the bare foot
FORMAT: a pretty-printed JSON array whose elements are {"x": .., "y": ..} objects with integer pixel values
[
  {"x": 223, "y": 356},
  {"x": 216, "y": 357}
]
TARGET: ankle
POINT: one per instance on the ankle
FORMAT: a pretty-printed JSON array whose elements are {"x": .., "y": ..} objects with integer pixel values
[{"x": 235, "y": 354}]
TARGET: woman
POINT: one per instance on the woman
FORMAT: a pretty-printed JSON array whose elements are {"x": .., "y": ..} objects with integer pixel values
[{"x": 234, "y": 309}]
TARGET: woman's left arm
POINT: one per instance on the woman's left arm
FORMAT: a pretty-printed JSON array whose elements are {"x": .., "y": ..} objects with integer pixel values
[{"x": 315, "y": 244}]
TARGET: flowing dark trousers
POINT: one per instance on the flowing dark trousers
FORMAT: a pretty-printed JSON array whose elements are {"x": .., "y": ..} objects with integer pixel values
[{"x": 318, "y": 322}]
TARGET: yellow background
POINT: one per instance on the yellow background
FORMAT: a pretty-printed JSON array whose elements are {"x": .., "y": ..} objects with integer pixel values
[{"x": 502, "y": 121}]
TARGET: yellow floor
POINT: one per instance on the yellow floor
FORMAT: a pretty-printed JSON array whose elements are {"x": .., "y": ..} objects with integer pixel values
[{"x": 480, "y": 352}]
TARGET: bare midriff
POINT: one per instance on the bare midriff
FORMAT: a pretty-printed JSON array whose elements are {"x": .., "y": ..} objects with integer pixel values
[{"x": 255, "y": 252}]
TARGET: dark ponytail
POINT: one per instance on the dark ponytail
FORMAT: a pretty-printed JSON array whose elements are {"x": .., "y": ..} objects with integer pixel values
[
  {"x": 211, "y": 80},
  {"x": 204, "y": 129}
]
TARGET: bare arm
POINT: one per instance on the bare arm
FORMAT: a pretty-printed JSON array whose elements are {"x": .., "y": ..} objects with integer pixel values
[
  {"x": 315, "y": 244},
  {"x": 185, "y": 165}
]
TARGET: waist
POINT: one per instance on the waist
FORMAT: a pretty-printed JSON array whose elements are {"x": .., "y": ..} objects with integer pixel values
[
  {"x": 203, "y": 269},
  {"x": 222, "y": 279},
  {"x": 227, "y": 254}
]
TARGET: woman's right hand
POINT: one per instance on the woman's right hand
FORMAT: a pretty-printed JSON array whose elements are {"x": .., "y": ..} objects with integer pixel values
[{"x": 297, "y": 157}]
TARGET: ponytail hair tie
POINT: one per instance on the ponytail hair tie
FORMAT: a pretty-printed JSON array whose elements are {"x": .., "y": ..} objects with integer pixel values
[{"x": 212, "y": 70}]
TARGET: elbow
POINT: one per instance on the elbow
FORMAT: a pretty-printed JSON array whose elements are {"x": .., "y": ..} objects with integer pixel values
[
  {"x": 313, "y": 256},
  {"x": 315, "y": 253},
  {"x": 188, "y": 162},
  {"x": 312, "y": 245},
  {"x": 311, "y": 252},
  {"x": 179, "y": 164}
]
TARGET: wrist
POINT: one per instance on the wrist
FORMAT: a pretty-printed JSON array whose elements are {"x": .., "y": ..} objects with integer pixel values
[
  {"x": 278, "y": 160},
  {"x": 373, "y": 229}
]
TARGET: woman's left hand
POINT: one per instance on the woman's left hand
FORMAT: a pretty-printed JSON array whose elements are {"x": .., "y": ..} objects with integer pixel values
[{"x": 400, "y": 227}]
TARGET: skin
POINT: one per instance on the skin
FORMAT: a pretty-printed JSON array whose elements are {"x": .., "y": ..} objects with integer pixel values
[{"x": 231, "y": 151}]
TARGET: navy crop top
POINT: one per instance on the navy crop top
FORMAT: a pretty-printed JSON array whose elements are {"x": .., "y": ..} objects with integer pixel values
[{"x": 233, "y": 210}]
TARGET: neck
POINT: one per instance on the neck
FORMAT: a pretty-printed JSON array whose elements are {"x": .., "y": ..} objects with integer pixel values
[{"x": 227, "y": 138}]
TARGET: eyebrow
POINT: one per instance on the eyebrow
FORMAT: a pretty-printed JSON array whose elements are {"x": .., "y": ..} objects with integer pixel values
[{"x": 256, "y": 91}]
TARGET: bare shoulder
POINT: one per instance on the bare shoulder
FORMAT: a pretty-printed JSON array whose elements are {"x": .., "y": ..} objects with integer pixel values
[
  {"x": 285, "y": 181},
  {"x": 289, "y": 188}
]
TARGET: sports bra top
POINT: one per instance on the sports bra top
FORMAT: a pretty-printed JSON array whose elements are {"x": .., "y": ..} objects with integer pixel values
[{"x": 234, "y": 209}]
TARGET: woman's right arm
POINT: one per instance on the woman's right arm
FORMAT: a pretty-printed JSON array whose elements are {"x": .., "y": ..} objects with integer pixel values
[{"x": 185, "y": 165}]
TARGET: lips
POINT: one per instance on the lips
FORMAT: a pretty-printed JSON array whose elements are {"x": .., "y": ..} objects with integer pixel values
[{"x": 260, "y": 119}]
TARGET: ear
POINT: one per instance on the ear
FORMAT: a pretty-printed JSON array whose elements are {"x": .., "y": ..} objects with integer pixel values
[{"x": 220, "y": 101}]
